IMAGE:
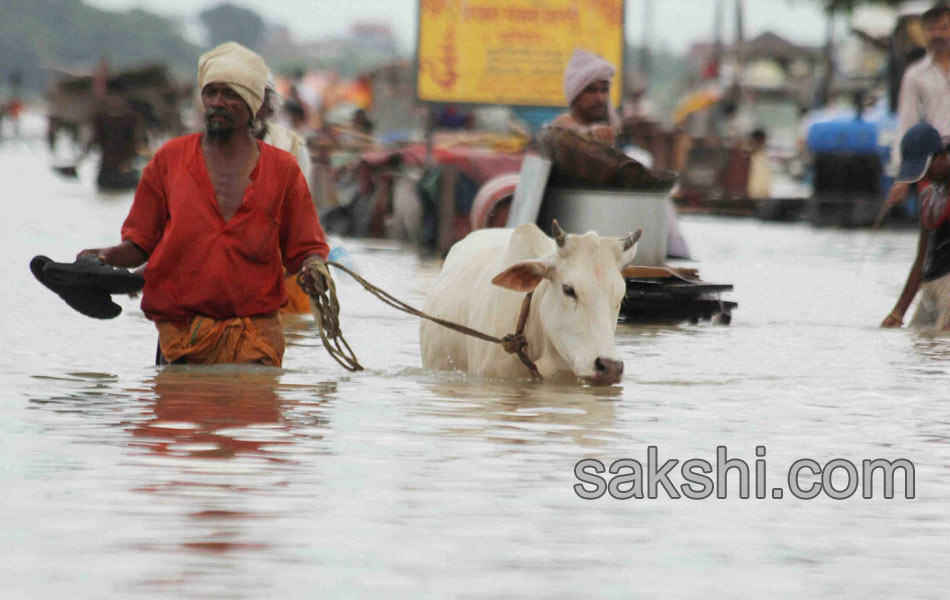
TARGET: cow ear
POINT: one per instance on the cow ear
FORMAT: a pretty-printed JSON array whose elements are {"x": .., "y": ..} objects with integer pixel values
[
  {"x": 523, "y": 276},
  {"x": 628, "y": 248}
]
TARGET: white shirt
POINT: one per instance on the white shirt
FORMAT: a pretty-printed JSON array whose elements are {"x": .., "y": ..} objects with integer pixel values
[
  {"x": 760, "y": 176},
  {"x": 289, "y": 140},
  {"x": 925, "y": 96}
]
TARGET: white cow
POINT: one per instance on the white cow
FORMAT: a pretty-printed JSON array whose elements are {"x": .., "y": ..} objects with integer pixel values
[{"x": 577, "y": 294}]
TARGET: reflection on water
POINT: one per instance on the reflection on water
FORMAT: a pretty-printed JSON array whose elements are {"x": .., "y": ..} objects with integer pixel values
[
  {"x": 525, "y": 413},
  {"x": 122, "y": 480},
  {"x": 213, "y": 415},
  {"x": 933, "y": 353}
]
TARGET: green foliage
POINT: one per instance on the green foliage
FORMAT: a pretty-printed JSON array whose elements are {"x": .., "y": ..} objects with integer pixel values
[
  {"x": 226, "y": 23},
  {"x": 849, "y": 5}
]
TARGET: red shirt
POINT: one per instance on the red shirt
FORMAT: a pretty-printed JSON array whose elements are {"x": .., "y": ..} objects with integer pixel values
[{"x": 201, "y": 265}]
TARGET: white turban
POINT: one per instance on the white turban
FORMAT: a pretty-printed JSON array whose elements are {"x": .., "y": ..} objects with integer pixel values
[
  {"x": 583, "y": 69},
  {"x": 237, "y": 67}
]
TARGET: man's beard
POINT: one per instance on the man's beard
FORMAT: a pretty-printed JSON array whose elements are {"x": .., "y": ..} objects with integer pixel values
[
  {"x": 597, "y": 114},
  {"x": 937, "y": 45},
  {"x": 219, "y": 132}
]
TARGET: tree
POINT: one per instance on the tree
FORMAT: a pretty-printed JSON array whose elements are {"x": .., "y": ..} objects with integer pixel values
[
  {"x": 37, "y": 38},
  {"x": 833, "y": 7},
  {"x": 849, "y": 5},
  {"x": 227, "y": 22}
]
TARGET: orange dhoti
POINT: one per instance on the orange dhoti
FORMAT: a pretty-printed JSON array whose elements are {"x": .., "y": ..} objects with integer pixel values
[
  {"x": 298, "y": 302},
  {"x": 203, "y": 340}
]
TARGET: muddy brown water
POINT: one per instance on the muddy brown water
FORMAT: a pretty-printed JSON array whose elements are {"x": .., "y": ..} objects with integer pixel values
[{"x": 120, "y": 479}]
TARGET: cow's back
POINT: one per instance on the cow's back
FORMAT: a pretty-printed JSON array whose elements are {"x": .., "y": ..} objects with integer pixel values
[{"x": 463, "y": 293}]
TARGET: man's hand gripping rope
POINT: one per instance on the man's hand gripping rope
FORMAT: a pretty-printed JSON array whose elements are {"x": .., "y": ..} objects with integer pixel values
[{"x": 315, "y": 279}]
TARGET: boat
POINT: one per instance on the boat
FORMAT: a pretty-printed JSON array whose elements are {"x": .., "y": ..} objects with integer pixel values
[{"x": 849, "y": 151}]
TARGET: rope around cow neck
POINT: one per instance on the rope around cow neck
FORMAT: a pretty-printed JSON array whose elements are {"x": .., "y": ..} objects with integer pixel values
[{"x": 326, "y": 312}]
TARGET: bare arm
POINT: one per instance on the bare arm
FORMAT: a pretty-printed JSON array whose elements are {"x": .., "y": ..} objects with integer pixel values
[
  {"x": 897, "y": 194},
  {"x": 126, "y": 255},
  {"x": 895, "y": 318}
]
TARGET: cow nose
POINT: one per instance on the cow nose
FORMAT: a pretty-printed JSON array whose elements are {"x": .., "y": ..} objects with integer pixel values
[{"x": 607, "y": 370}]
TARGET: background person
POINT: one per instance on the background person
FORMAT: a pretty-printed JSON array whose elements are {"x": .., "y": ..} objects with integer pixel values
[
  {"x": 925, "y": 89},
  {"x": 587, "y": 80},
  {"x": 119, "y": 133},
  {"x": 269, "y": 131},
  {"x": 760, "y": 172},
  {"x": 581, "y": 143},
  {"x": 275, "y": 134},
  {"x": 926, "y": 157}
]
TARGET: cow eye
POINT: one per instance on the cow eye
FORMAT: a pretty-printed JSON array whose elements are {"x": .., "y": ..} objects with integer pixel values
[{"x": 569, "y": 291}]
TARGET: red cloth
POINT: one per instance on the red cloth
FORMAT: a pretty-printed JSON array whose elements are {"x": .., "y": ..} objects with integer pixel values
[
  {"x": 201, "y": 265},
  {"x": 13, "y": 109},
  {"x": 478, "y": 164}
]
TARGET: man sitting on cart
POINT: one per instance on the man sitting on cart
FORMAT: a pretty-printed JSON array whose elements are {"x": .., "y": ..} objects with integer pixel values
[
  {"x": 581, "y": 143},
  {"x": 587, "y": 90}
]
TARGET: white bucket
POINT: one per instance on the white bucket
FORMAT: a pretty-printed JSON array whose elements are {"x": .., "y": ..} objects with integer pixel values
[{"x": 612, "y": 213}]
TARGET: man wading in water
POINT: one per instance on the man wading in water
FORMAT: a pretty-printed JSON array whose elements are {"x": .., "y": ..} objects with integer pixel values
[
  {"x": 218, "y": 216},
  {"x": 924, "y": 156}
]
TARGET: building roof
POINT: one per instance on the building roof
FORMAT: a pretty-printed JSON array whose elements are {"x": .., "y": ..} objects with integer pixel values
[{"x": 770, "y": 45}]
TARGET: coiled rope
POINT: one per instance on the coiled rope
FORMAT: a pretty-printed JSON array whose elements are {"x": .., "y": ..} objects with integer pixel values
[{"x": 326, "y": 312}]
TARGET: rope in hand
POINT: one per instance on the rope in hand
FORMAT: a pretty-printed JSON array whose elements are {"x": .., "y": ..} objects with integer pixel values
[{"x": 326, "y": 312}]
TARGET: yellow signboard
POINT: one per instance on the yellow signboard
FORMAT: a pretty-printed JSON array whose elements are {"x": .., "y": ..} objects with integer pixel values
[{"x": 512, "y": 51}]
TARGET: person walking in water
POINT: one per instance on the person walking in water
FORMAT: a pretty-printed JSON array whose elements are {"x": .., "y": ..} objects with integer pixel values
[
  {"x": 925, "y": 157},
  {"x": 219, "y": 215}
]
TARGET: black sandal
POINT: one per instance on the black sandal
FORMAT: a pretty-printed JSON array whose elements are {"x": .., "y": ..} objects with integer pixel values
[
  {"x": 88, "y": 272},
  {"x": 90, "y": 301}
]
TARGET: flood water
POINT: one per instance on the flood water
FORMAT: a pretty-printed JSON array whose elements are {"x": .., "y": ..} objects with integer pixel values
[{"x": 123, "y": 480}]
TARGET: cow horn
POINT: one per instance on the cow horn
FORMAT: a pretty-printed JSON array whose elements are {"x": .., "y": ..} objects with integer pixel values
[
  {"x": 558, "y": 234},
  {"x": 629, "y": 239}
]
